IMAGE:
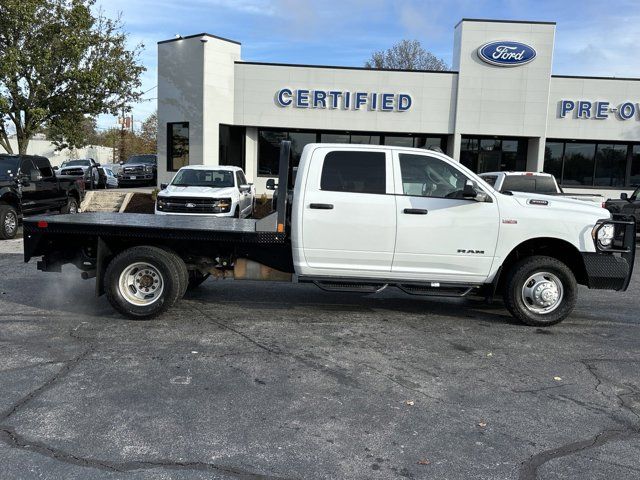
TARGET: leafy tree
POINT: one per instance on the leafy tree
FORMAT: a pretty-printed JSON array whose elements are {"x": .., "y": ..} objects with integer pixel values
[
  {"x": 60, "y": 62},
  {"x": 149, "y": 132},
  {"x": 406, "y": 55}
]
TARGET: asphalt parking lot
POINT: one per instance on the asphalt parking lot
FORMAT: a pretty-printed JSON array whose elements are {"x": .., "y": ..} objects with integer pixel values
[{"x": 268, "y": 381}]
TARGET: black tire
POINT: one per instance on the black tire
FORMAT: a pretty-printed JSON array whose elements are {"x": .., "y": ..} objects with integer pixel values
[
  {"x": 161, "y": 263},
  {"x": 71, "y": 206},
  {"x": 181, "y": 268},
  {"x": 8, "y": 222},
  {"x": 196, "y": 278},
  {"x": 550, "y": 271}
]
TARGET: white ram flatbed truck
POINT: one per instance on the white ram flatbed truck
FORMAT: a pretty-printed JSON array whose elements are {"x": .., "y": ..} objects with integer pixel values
[{"x": 359, "y": 218}]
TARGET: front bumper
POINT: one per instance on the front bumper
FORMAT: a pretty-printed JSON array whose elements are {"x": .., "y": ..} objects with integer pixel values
[
  {"x": 135, "y": 178},
  {"x": 611, "y": 268}
]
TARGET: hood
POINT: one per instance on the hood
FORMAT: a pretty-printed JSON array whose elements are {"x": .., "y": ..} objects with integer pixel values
[
  {"x": 207, "y": 192},
  {"x": 560, "y": 203}
]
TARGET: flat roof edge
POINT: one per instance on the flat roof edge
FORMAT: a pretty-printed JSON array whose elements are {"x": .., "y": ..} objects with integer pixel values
[
  {"x": 340, "y": 67},
  {"x": 493, "y": 20},
  {"x": 633, "y": 79},
  {"x": 204, "y": 34}
]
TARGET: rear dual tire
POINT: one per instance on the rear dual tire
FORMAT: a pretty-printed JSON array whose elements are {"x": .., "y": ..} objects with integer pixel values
[{"x": 143, "y": 282}]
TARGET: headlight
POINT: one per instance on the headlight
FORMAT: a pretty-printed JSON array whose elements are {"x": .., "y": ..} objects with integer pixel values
[
  {"x": 222, "y": 205},
  {"x": 148, "y": 168},
  {"x": 161, "y": 203},
  {"x": 605, "y": 235}
]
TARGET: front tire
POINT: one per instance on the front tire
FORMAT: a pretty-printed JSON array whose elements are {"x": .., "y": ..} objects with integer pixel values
[
  {"x": 8, "y": 222},
  {"x": 540, "y": 291},
  {"x": 143, "y": 282},
  {"x": 71, "y": 206}
]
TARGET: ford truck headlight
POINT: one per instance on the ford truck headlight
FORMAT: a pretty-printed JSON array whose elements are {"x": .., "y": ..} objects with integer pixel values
[
  {"x": 605, "y": 235},
  {"x": 161, "y": 203},
  {"x": 148, "y": 168}
]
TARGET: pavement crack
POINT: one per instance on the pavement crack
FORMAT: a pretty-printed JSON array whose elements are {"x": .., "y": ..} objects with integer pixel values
[
  {"x": 13, "y": 439},
  {"x": 529, "y": 468}
]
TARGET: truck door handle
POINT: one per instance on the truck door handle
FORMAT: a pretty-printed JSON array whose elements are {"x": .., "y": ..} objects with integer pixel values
[
  {"x": 321, "y": 206},
  {"x": 416, "y": 211}
]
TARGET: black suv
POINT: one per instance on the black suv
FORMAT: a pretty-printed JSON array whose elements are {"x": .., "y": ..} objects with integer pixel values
[
  {"x": 28, "y": 185},
  {"x": 139, "y": 169},
  {"x": 627, "y": 205}
]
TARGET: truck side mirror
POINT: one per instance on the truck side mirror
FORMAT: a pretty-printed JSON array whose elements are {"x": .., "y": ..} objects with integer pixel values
[
  {"x": 271, "y": 184},
  {"x": 244, "y": 188},
  {"x": 624, "y": 196},
  {"x": 469, "y": 191},
  {"x": 56, "y": 168},
  {"x": 163, "y": 186}
]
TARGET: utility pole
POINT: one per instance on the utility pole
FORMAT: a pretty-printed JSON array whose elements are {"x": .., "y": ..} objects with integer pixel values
[{"x": 122, "y": 133}]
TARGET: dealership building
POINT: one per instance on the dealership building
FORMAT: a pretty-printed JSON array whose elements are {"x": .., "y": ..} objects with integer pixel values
[{"x": 499, "y": 108}]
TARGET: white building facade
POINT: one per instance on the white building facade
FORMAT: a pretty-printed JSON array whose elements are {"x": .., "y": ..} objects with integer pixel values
[{"x": 500, "y": 108}]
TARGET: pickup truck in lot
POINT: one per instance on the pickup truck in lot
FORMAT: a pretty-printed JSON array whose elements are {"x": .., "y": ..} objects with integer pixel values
[
  {"x": 626, "y": 205},
  {"x": 534, "y": 182},
  {"x": 359, "y": 218},
  {"x": 28, "y": 185}
]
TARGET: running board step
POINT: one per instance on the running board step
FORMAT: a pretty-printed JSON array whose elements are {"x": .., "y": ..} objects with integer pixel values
[
  {"x": 341, "y": 286},
  {"x": 436, "y": 290}
]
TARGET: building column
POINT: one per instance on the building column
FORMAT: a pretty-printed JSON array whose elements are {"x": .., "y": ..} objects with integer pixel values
[
  {"x": 535, "y": 154},
  {"x": 453, "y": 146}
]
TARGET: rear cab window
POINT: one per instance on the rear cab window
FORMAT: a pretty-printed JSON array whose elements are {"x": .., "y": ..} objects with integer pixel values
[
  {"x": 354, "y": 171},
  {"x": 529, "y": 184}
]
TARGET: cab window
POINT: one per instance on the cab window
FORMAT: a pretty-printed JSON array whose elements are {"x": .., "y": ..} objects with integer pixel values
[
  {"x": 357, "y": 172},
  {"x": 425, "y": 176}
]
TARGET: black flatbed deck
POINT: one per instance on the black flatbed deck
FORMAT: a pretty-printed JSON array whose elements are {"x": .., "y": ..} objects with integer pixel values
[{"x": 149, "y": 226}]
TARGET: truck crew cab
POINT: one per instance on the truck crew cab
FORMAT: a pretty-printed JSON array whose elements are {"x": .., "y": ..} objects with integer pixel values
[
  {"x": 28, "y": 185},
  {"x": 359, "y": 218}
]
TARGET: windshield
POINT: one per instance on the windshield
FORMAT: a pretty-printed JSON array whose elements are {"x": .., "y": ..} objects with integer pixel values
[
  {"x": 8, "y": 165},
  {"x": 77, "y": 163},
  {"x": 490, "y": 179},
  {"x": 150, "y": 159},
  {"x": 635, "y": 195},
  {"x": 203, "y": 178}
]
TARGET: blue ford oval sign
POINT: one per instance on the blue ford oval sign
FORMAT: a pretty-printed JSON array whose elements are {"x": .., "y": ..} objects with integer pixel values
[{"x": 506, "y": 53}]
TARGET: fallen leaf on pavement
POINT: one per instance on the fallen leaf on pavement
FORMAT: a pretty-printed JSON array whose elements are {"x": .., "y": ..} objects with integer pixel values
[
  {"x": 423, "y": 461},
  {"x": 557, "y": 379},
  {"x": 482, "y": 424},
  {"x": 410, "y": 403}
]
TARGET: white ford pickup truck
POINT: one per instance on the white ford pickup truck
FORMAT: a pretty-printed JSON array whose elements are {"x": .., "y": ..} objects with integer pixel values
[{"x": 359, "y": 218}]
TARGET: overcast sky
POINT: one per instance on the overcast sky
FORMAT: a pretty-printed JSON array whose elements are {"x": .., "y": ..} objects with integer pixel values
[{"x": 593, "y": 37}]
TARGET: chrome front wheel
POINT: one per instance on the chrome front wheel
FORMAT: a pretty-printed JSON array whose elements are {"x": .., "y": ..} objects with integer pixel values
[{"x": 542, "y": 293}]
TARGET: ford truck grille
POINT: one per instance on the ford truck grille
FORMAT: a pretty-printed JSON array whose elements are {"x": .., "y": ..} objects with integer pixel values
[{"x": 194, "y": 205}]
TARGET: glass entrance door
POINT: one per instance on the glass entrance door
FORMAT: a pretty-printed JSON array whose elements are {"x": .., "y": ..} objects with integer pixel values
[{"x": 493, "y": 154}]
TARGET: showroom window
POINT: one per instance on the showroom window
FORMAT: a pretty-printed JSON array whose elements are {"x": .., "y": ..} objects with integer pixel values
[
  {"x": 634, "y": 170},
  {"x": 357, "y": 172},
  {"x": 177, "y": 145},
  {"x": 493, "y": 154},
  {"x": 231, "y": 146},
  {"x": 269, "y": 143},
  {"x": 593, "y": 164}
]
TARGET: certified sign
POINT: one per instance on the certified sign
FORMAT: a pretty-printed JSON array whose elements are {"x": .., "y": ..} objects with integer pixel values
[{"x": 506, "y": 53}]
